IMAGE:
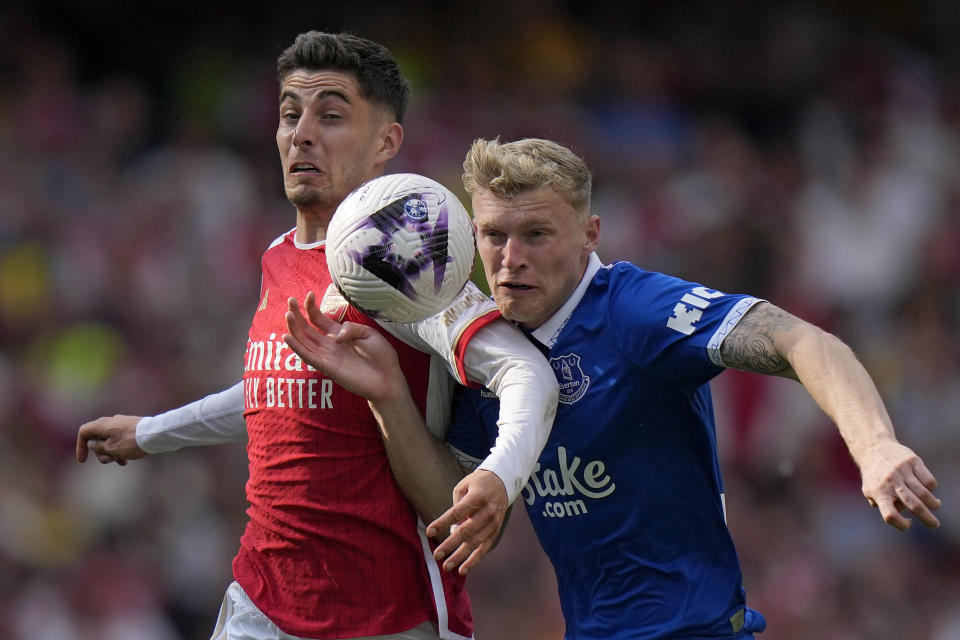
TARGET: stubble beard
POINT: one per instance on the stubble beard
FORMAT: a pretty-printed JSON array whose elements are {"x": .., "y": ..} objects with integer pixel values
[{"x": 306, "y": 198}]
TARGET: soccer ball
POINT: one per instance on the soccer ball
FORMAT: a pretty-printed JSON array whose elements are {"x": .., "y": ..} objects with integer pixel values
[{"x": 400, "y": 247}]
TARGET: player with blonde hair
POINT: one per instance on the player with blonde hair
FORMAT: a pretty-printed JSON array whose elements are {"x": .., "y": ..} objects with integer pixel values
[{"x": 627, "y": 497}]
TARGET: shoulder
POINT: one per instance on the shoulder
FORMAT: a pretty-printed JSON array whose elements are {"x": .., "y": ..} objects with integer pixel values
[
  {"x": 283, "y": 239},
  {"x": 637, "y": 293},
  {"x": 625, "y": 275}
]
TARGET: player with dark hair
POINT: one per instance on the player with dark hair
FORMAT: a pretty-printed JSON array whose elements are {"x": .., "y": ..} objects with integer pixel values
[
  {"x": 332, "y": 549},
  {"x": 627, "y": 498}
]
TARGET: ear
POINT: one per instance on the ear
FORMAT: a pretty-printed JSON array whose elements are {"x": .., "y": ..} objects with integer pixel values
[
  {"x": 592, "y": 232},
  {"x": 391, "y": 137}
]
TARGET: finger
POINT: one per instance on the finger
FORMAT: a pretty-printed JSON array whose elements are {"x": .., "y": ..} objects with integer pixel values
[
  {"x": 474, "y": 549},
  {"x": 923, "y": 475},
  {"x": 293, "y": 306},
  {"x": 352, "y": 331},
  {"x": 296, "y": 322},
  {"x": 300, "y": 349},
  {"x": 447, "y": 519},
  {"x": 458, "y": 557},
  {"x": 460, "y": 491},
  {"x": 923, "y": 491},
  {"x": 459, "y": 534},
  {"x": 97, "y": 448},
  {"x": 891, "y": 514},
  {"x": 465, "y": 505},
  {"x": 464, "y": 539},
  {"x": 82, "y": 450},
  {"x": 468, "y": 553},
  {"x": 916, "y": 499},
  {"x": 296, "y": 325},
  {"x": 306, "y": 335},
  {"x": 474, "y": 558},
  {"x": 319, "y": 319}
]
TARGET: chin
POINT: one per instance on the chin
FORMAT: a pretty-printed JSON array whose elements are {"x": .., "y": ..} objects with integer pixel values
[
  {"x": 305, "y": 198},
  {"x": 513, "y": 314}
]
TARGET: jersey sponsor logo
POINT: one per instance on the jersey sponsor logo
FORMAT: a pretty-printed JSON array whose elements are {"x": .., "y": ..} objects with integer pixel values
[
  {"x": 278, "y": 391},
  {"x": 573, "y": 381},
  {"x": 287, "y": 393},
  {"x": 690, "y": 309},
  {"x": 565, "y": 488}
]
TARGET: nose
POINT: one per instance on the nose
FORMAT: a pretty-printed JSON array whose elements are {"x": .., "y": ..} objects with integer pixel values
[
  {"x": 304, "y": 135},
  {"x": 513, "y": 254}
]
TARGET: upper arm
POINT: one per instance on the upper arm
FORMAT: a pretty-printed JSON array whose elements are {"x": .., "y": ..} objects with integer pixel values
[{"x": 761, "y": 342}]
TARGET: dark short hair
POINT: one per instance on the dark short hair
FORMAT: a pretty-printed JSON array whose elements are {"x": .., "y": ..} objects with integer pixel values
[{"x": 377, "y": 73}]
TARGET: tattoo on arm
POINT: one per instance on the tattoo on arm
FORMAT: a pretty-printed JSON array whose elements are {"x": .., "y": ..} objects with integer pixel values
[{"x": 751, "y": 346}]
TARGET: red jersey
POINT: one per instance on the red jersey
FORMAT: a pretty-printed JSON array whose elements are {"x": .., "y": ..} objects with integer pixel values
[{"x": 332, "y": 549}]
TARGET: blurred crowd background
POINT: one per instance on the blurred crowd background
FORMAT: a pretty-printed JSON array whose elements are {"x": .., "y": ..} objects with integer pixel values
[{"x": 808, "y": 153}]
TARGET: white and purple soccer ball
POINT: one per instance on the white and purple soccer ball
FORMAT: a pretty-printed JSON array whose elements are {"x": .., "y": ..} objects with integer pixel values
[{"x": 400, "y": 247}]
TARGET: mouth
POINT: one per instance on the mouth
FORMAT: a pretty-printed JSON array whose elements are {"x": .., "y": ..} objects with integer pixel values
[
  {"x": 515, "y": 286},
  {"x": 303, "y": 167}
]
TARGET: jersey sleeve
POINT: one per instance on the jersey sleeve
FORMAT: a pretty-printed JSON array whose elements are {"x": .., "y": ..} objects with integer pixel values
[
  {"x": 481, "y": 348},
  {"x": 215, "y": 419},
  {"x": 448, "y": 333},
  {"x": 673, "y": 328},
  {"x": 507, "y": 364}
]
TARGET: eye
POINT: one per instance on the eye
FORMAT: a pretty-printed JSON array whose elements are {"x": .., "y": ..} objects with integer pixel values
[{"x": 289, "y": 115}]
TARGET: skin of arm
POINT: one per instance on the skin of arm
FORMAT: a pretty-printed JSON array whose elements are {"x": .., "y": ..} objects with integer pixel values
[
  {"x": 770, "y": 341},
  {"x": 359, "y": 358}
]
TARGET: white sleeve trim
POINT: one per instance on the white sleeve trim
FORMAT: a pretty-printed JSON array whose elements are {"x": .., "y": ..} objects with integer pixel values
[
  {"x": 215, "y": 419},
  {"x": 733, "y": 318}
]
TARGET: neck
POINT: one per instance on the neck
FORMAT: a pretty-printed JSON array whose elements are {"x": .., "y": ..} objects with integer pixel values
[{"x": 312, "y": 225}]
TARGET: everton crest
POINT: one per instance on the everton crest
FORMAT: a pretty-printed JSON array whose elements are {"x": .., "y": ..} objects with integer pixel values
[{"x": 573, "y": 381}]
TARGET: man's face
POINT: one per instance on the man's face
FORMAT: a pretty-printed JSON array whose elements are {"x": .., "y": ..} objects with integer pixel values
[
  {"x": 534, "y": 248},
  {"x": 330, "y": 139}
]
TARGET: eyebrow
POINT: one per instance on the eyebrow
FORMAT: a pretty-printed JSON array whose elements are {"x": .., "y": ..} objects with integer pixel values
[{"x": 327, "y": 93}]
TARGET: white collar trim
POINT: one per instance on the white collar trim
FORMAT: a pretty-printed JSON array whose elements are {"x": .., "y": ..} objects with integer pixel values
[{"x": 548, "y": 332}]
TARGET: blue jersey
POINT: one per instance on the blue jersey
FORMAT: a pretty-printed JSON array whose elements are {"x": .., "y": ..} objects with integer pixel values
[{"x": 627, "y": 499}]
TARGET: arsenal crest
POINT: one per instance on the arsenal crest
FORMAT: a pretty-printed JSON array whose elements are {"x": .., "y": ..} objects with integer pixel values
[{"x": 333, "y": 304}]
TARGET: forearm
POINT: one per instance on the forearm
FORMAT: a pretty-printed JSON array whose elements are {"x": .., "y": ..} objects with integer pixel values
[
  {"x": 215, "y": 419},
  {"x": 424, "y": 467},
  {"x": 841, "y": 386},
  {"x": 511, "y": 367}
]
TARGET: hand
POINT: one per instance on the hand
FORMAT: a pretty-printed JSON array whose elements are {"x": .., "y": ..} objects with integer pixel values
[
  {"x": 110, "y": 439},
  {"x": 479, "y": 508},
  {"x": 895, "y": 479},
  {"x": 356, "y": 356}
]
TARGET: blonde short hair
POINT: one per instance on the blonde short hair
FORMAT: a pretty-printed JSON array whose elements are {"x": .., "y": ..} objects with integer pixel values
[{"x": 507, "y": 169}]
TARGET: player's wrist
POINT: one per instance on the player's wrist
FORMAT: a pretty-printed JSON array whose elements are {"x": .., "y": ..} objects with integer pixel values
[{"x": 391, "y": 397}]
